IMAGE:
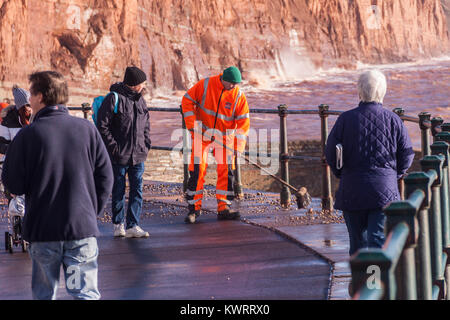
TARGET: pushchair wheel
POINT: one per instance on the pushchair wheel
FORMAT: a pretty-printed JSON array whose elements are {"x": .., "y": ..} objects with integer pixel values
[
  {"x": 6, "y": 240},
  {"x": 24, "y": 246},
  {"x": 10, "y": 243}
]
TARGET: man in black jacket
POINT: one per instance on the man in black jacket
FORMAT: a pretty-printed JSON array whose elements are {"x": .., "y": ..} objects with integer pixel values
[
  {"x": 61, "y": 165},
  {"x": 126, "y": 133}
]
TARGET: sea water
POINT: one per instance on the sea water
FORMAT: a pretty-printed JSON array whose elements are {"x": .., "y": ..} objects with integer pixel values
[{"x": 414, "y": 86}]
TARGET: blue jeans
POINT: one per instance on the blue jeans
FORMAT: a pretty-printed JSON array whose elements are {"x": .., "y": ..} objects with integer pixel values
[
  {"x": 365, "y": 229},
  {"x": 135, "y": 174},
  {"x": 79, "y": 261}
]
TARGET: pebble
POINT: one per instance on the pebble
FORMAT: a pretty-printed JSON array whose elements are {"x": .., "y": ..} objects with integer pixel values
[{"x": 256, "y": 204}]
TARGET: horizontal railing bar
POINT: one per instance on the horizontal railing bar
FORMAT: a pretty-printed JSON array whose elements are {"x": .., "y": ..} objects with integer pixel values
[
  {"x": 273, "y": 111},
  {"x": 248, "y": 154},
  {"x": 163, "y": 109},
  {"x": 432, "y": 174},
  {"x": 416, "y": 198},
  {"x": 396, "y": 242},
  {"x": 304, "y": 158},
  {"x": 410, "y": 119},
  {"x": 166, "y": 148},
  {"x": 264, "y": 111},
  {"x": 269, "y": 155}
]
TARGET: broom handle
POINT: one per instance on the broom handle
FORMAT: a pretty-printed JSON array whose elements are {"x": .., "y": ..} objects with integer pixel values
[
  {"x": 270, "y": 174},
  {"x": 259, "y": 167},
  {"x": 255, "y": 164}
]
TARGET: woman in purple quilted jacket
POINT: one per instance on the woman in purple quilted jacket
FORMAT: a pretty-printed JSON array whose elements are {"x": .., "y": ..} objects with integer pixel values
[{"x": 376, "y": 151}]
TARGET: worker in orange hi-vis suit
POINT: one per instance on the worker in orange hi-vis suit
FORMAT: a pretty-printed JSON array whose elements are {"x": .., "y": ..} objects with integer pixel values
[{"x": 216, "y": 113}]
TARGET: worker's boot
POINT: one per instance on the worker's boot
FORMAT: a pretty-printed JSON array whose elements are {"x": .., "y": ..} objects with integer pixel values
[
  {"x": 190, "y": 218},
  {"x": 227, "y": 214}
]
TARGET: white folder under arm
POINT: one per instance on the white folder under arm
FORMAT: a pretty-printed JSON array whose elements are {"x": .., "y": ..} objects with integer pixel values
[{"x": 339, "y": 156}]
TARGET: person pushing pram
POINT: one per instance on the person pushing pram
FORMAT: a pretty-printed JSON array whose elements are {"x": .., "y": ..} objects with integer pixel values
[{"x": 15, "y": 117}]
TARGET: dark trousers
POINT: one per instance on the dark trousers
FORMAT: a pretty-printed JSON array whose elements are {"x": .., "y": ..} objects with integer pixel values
[
  {"x": 365, "y": 229},
  {"x": 135, "y": 199}
]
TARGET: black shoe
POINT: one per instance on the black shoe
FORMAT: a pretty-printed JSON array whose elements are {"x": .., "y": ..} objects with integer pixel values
[
  {"x": 190, "y": 218},
  {"x": 228, "y": 215}
]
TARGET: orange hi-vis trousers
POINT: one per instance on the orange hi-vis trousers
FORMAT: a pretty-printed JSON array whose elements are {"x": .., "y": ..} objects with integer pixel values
[{"x": 197, "y": 171}]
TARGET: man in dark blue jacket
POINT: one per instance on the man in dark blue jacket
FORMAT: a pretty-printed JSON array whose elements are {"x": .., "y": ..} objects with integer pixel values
[
  {"x": 126, "y": 133},
  {"x": 61, "y": 165},
  {"x": 377, "y": 151}
]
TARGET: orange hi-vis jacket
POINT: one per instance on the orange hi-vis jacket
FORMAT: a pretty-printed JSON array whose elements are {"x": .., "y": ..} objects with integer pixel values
[{"x": 226, "y": 111}]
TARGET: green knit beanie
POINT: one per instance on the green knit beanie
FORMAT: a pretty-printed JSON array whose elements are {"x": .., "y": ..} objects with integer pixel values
[{"x": 232, "y": 74}]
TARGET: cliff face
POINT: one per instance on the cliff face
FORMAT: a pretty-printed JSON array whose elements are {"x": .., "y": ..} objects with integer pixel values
[
  {"x": 446, "y": 7},
  {"x": 177, "y": 42}
]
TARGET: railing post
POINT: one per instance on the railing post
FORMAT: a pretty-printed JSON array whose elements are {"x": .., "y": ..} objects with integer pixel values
[
  {"x": 186, "y": 152},
  {"x": 434, "y": 163},
  {"x": 436, "y": 123},
  {"x": 285, "y": 194},
  {"x": 401, "y": 184},
  {"x": 425, "y": 125},
  {"x": 370, "y": 294},
  {"x": 361, "y": 263},
  {"x": 382, "y": 261},
  {"x": 85, "y": 108},
  {"x": 445, "y": 127},
  {"x": 398, "y": 212},
  {"x": 442, "y": 148},
  {"x": 327, "y": 201},
  {"x": 422, "y": 181},
  {"x": 237, "y": 184},
  {"x": 445, "y": 137}
]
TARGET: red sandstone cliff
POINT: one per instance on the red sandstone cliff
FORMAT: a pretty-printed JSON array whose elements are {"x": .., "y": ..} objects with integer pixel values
[{"x": 177, "y": 42}]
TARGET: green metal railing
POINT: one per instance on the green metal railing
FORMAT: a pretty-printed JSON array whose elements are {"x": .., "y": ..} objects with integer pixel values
[
  {"x": 424, "y": 121},
  {"x": 414, "y": 263}
]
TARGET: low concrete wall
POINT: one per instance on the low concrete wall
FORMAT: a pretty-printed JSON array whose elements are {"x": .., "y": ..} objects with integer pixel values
[
  {"x": 164, "y": 166},
  {"x": 168, "y": 166}
]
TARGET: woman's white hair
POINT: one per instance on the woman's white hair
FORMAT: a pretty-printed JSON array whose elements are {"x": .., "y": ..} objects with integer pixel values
[{"x": 372, "y": 86}]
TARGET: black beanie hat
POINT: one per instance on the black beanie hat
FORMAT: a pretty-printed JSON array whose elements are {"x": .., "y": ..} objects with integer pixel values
[{"x": 134, "y": 76}]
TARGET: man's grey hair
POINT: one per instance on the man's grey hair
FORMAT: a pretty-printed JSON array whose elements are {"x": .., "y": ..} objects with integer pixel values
[{"x": 372, "y": 86}]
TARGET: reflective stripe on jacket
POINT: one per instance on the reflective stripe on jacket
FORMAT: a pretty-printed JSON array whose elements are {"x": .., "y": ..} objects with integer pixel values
[{"x": 226, "y": 111}]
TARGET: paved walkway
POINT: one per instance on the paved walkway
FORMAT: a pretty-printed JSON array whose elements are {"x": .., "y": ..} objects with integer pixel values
[{"x": 267, "y": 255}]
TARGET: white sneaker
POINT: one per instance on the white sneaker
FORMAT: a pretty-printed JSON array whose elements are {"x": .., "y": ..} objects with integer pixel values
[
  {"x": 136, "y": 232},
  {"x": 119, "y": 230}
]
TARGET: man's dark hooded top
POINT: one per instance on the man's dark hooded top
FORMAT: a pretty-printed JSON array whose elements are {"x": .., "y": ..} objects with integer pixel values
[{"x": 61, "y": 165}]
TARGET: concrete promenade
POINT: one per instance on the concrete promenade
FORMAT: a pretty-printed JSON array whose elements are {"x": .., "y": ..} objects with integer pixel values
[{"x": 270, "y": 254}]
